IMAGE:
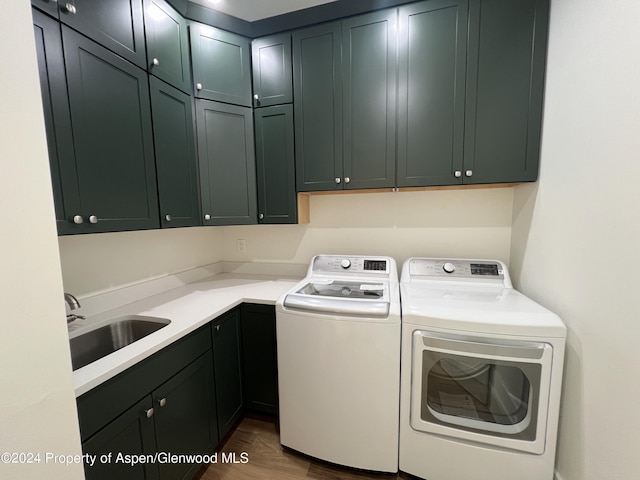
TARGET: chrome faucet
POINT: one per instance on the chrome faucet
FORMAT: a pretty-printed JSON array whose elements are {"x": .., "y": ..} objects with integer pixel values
[{"x": 73, "y": 304}]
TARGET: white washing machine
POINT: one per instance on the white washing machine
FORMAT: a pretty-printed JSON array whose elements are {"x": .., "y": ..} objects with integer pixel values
[
  {"x": 338, "y": 336},
  {"x": 481, "y": 374}
]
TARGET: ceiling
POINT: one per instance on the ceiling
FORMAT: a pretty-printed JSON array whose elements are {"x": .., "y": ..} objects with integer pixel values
[{"x": 252, "y": 10}]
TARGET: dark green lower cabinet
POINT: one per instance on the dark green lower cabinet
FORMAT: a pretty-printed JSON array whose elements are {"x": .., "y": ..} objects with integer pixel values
[
  {"x": 132, "y": 433},
  {"x": 275, "y": 164},
  {"x": 260, "y": 358},
  {"x": 185, "y": 417},
  {"x": 228, "y": 370}
]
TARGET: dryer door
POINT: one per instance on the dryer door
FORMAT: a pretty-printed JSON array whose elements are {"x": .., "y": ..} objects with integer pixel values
[{"x": 481, "y": 389}]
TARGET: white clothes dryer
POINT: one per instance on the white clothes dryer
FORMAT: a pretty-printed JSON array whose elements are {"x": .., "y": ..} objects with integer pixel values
[
  {"x": 338, "y": 337},
  {"x": 481, "y": 374}
]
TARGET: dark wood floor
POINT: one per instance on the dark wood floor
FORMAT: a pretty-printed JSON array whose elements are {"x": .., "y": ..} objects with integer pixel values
[{"x": 268, "y": 460}]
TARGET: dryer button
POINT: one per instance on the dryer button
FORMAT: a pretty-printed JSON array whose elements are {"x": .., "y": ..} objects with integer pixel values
[{"x": 449, "y": 267}]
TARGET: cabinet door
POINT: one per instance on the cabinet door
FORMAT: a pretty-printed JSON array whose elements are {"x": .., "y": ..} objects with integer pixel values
[
  {"x": 132, "y": 433},
  {"x": 277, "y": 199},
  {"x": 115, "y": 24},
  {"x": 227, "y": 163},
  {"x": 185, "y": 416},
  {"x": 228, "y": 370},
  {"x": 167, "y": 44},
  {"x": 505, "y": 82},
  {"x": 221, "y": 65},
  {"x": 111, "y": 119},
  {"x": 55, "y": 102},
  {"x": 260, "y": 361},
  {"x": 48, "y": 6},
  {"x": 317, "y": 91},
  {"x": 176, "y": 165},
  {"x": 369, "y": 103},
  {"x": 431, "y": 92},
  {"x": 271, "y": 60}
]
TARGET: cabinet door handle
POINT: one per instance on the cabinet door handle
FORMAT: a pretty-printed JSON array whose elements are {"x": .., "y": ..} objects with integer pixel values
[
  {"x": 155, "y": 62},
  {"x": 207, "y": 217},
  {"x": 338, "y": 180},
  {"x": 70, "y": 8},
  {"x": 77, "y": 219},
  {"x": 198, "y": 86},
  {"x": 347, "y": 179},
  {"x": 457, "y": 173},
  {"x": 217, "y": 328},
  {"x": 149, "y": 412},
  {"x": 256, "y": 97},
  {"x": 93, "y": 219},
  {"x": 162, "y": 402},
  {"x": 469, "y": 173},
  {"x": 167, "y": 217},
  {"x": 261, "y": 216}
]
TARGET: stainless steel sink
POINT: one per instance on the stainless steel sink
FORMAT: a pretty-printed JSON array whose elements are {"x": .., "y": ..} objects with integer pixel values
[{"x": 95, "y": 344}]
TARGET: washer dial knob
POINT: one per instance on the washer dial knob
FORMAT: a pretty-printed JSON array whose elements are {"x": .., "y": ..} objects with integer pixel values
[
  {"x": 345, "y": 263},
  {"x": 449, "y": 267}
]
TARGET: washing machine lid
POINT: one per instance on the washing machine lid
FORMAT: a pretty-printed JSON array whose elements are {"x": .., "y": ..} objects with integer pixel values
[
  {"x": 347, "y": 296},
  {"x": 472, "y": 308}
]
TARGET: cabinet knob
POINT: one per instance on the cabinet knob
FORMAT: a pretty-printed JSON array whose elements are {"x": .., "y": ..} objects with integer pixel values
[
  {"x": 457, "y": 173},
  {"x": 469, "y": 173},
  {"x": 78, "y": 219},
  {"x": 217, "y": 328},
  {"x": 167, "y": 218},
  {"x": 93, "y": 219},
  {"x": 255, "y": 96},
  {"x": 198, "y": 86},
  {"x": 162, "y": 402},
  {"x": 155, "y": 62},
  {"x": 337, "y": 179},
  {"x": 261, "y": 216},
  {"x": 207, "y": 217},
  {"x": 149, "y": 413},
  {"x": 347, "y": 179},
  {"x": 70, "y": 8}
]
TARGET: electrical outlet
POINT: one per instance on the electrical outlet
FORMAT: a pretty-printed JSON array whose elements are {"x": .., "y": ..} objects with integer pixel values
[{"x": 242, "y": 246}]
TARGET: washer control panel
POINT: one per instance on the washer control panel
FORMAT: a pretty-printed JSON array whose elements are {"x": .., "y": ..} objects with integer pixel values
[
  {"x": 329, "y": 263},
  {"x": 475, "y": 269}
]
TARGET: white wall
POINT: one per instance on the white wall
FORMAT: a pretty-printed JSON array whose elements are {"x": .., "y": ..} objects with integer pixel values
[
  {"x": 576, "y": 235},
  {"x": 473, "y": 223},
  {"x": 37, "y": 404},
  {"x": 98, "y": 262}
]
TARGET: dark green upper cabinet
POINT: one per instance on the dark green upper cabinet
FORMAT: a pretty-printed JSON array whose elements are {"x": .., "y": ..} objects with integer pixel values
[
  {"x": 113, "y": 141},
  {"x": 227, "y": 163},
  {"x": 431, "y": 90},
  {"x": 167, "y": 44},
  {"x": 53, "y": 86},
  {"x": 115, "y": 24},
  {"x": 317, "y": 85},
  {"x": 271, "y": 60},
  {"x": 176, "y": 165},
  {"x": 221, "y": 65},
  {"x": 505, "y": 82},
  {"x": 227, "y": 361},
  {"x": 277, "y": 199},
  {"x": 48, "y": 6},
  {"x": 369, "y": 57}
]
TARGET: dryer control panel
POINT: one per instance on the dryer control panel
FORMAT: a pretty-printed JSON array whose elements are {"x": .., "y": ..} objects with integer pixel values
[{"x": 456, "y": 268}]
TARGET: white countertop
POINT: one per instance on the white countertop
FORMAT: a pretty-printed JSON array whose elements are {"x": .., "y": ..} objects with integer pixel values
[{"x": 188, "y": 307}]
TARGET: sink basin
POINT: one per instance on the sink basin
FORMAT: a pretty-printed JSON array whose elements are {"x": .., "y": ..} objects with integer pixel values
[{"x": 95, "y": 344}]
